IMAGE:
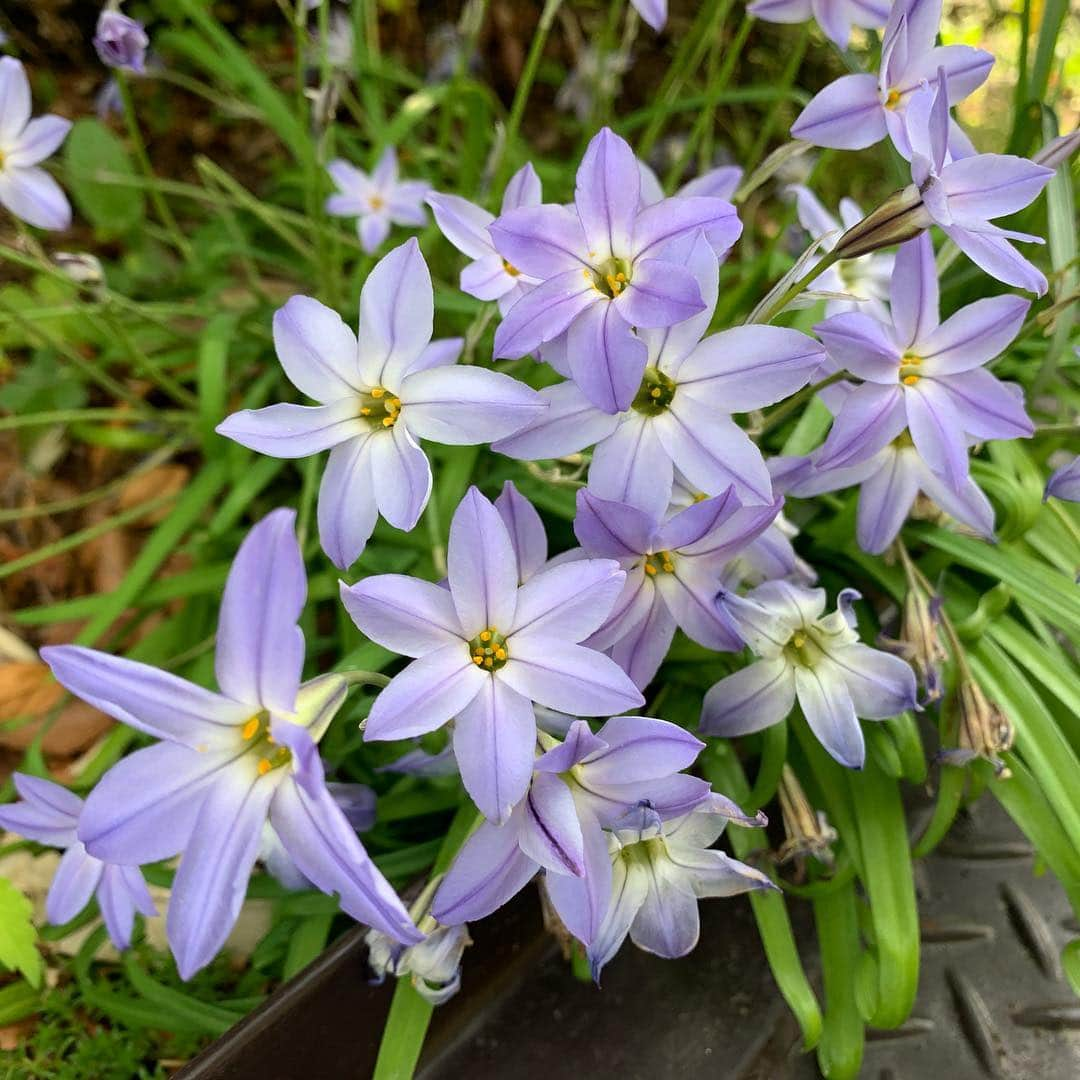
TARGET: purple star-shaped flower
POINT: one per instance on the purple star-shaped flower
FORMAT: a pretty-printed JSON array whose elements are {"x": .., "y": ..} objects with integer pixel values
[
  {"x": 228, "y": 762},
  {"x": 835, "y": 17},
  {"x": 378, "y": 397},
  {"x": 376, "y": 201},
  {"x": 487, "y": 648},
  {"x": 49, "y": 814},
  {"x": 674, "y": 570},
  {"x": 26, "y": 189},
  {"x": 817, "y": 660},
  {"x": 963, "y": 195},
  {"x": 924, "y": 376},
  {"x": 857, "y": 111},
  {"x": 680, "y": 415},
  {"x": 489, "y": 276},
  {"x": 605, "y": 266}
]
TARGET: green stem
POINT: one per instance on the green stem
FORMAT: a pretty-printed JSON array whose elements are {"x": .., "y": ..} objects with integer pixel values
[
  {"x": 777, "y": 304},
  {"x": 784, "y": 410}
]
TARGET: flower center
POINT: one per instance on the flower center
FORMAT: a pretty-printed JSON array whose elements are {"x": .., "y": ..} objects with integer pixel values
[
  {"x": 488, "y": 649},
  {"x": 379, "y": 407},
  {"x": 655, "y": 394},
  {"x": 510, "y": 268},
  {"x": 803, "y": 649},
  {"x": 376, "y": 202},
  {"x": 909, "y": 369},
  {"x": 256, "y": 732},
  {"x": 892, "y": 99},
  {"x": 659, "y": 561},
  {"x": 610, "y": 278}
]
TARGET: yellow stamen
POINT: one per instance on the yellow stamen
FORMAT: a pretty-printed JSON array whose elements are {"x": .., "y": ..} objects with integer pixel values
[
  {"x": 893, "y": 99},
  {"x": 799, "y": 640},
  {"x": 512, "y": 270},
  {"x": 485, "y": 635},
  {"x": 910, "y": 380},
  {"x": 250, "y": 728},
  {"x": 377, "y": 391},
  {"x": 650, "y": 569},
  {"x": 388, "y": 421},
  {"x": 264, "y": 766}
]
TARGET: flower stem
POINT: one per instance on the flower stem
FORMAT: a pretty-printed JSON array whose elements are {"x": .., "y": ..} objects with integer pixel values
[
  {"x": 773, "y": 305},
  {"x": 785, "y": 409}
]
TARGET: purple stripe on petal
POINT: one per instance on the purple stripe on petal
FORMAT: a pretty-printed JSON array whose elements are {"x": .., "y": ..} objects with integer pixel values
[
  {"x": 571, "y": 600},
  {"x": 885, "y": 499},
  {"x": 914, "y": 294},
  {"x": 937, "y": 431},
  {"x": 753, "y": 698},
  {"x": 525, "y": 529},
  {"x": 582, "y": 902},
  {"x": 402, "y": 476},
  {"x": 826, "y": 703},
  {"x": 294, "y": 431},
  {"x": 543, "y": 313},
  {"x": 551, "y": 832},
  {"x": 632, "y": 466},
  {"x": 611, "y": 529},
  {"x": 607, "y": 194},
  {"x": 607, "y": 359},
  {"x": 541, "y": 241},
  {"x": 316, "y": 349}
]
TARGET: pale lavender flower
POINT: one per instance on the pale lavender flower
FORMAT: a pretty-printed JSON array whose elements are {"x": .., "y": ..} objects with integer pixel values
[
  {"x": 654, "y": 12},
  {"x": 835, "y": 17},
  {"x": 49, "y": 814},
  {"x": 377, "y": 397},
  {"x": 1064, "y": 483},
  {"x": 864, "y": 279},
  {"x": 924, "y": 376},
  {"x": 489, "y": 276},
  {"x": 720, "y": 183},
  {"x": 857, "y": 111},
  {"x": 376, "y": 201},
  {"x": 817, "y": 660},
  {"x": 433, "y": 966},
  {"x": 121, "y": 41},
  {"x": 580, "y": 787},
  {"x": 962, "y": 195},
  {"x": 487, "y": 648},
  {"x": 528, "y": 537},
  {"x": 660, "y": 869},
  {"x": 680, "y": 414},
  {"x": 27, "y": 190},
  {"x": 229, "y": 761},
  {"x": 605, "y": 266},
  {"x": 674, "y": 569}
]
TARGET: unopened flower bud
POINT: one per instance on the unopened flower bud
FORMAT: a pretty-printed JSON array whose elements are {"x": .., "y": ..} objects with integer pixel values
[
  {"x": 900, "y": 217},
  {"x": 806, "y": 830},
  {"x": 433, "y": 966},
  {"x": 1058, "y": 150},
  {"x": 81, "y": 267},
  {"x": 121, "y": 41},
  {"x": 982, "y": 729}
]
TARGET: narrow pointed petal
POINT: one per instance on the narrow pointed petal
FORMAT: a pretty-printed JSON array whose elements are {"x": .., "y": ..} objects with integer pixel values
[
  {"x": 861, "y": 344},
  {"x": 667, "y": 922},
  {"x": 690, "y": 595},
  {"x": 716, "y": 874},
  {"x": 373, "y": 229},
  {"x": 325, "y": 849},
  {"x": 937, "y": 431},
  {"x": 397, "y": 307},
  {"x": 543, "y": 313},
  {"x": 753, "y": 698},
  {"x": 846, "y": 115},
  {"x": 974, "y": 335},
  {"x": 640, "y": 748},
  {"x": 834, "y": 20},
  {"x": 494, "y": 743},
  {"x": 732, "y": 528},
  {"x": 76, "y": 878},
  {"x": 641, "y": 652},
  {"x": 568, "y": 424},
  {"x": 749, "y": 367},
  {"x": 968, "y": 505},
  {"x": 629, "y": 887},
  {"x": 914, "y": 294},
  {"x": 569, "y": 601},
  {"x": 661, "y": 293},
  {"x": 403, "y": 614},
  {"x": 607, "y": 360},
  {"x": 680, "y": 219},
  {"x": 668, "y": 797},
  {"x": 541, "y": 241},
  {"x": 654, "y": 12},
  {"x": 316, "y": 349},
  {"x": 826, "y": 703},
  {"x": 426, "y": 694},
  {"x": 442, "y": 352},
  {"x": 462, "y": 406},
  {"x": 347, "y": 509},
  {"x": 40, "y": 138},
  {"x": 488, "y": 870},
  {"x": 611, "y": 529},
  {"x": 568, "y": 677},
  {"x": 405, "y": 203},
  {"x": 718, "y": 183},
  {"x": 607, "y": 195},
  {"x": 870, "y": 419},
  {"x": 1064, "y": 482},
  {"x": 992, "y": 185},
  {"x": 781, "y": 11},
  {"x": 463, "y": 223},
  {"x": 632, "y": 466},
  {"x": 631, "y": 608},
  {"x": 525, "y": 529},
  {"x": 881, "y": 685},
  {"x": 988, "y": 409},
  {"x": 581, "y": 902},
  {"x": 523, "y": 189},
  {"x": 481, "y": 566},
  {"x": 260, "y": 647},
  {"x": 294, "y": 431},
  {"x": 14, "y": 99},
  {"x": 885, "y": 500},
  {"x": 965, "y": 68},
  {"x": 210, "y": 885},
  {"x": 551, "y": 833},
  {"x": 402, "y": 476},
  {"x": 145, "y": 698},
  {"x": 120, "y": 895},
  {"x": 994, "y": 254},
  {"x": 487, "y": 278}
]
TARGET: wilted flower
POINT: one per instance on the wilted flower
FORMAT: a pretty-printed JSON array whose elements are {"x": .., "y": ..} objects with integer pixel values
[
  {"x": 607, "y": 268},
  {"x": 680, "y": 414},
  {"x": 835, "y": 17},
  {"x": 121, "y": 41},
  {"x": 229, "y": 761},
  {"x": 919, "y": 642},
  {"x": 806, "y": 831},
  {"x": 378, "y": 397},
  {"x": 857, "y": 111},
  {"x": 865, "y": 279},
  {"x": 660, "y": 869},
  {"x": 674, "y": 570},
  {"x": 489, "y": 276},
  {"x": 433, "y": 966},
  {"x": 1064, "y": 483},
  {"x": 982, "y": 728},
  {"x": 818, "y": 660},
  {"x": 923, "y": 376},
  {"x": 487, "y": 649},
  {"x": 49, "y": 814},
  {"x": 26, "y": 189},
  {"x": 377, "y": 201}
]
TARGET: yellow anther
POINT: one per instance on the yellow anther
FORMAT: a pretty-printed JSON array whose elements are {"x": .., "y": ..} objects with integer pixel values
[
  {"x": 893, "y": 99},
  {"x": 376, "y": 202},
  {"x": 388, "y": 421},
  {"x": 250, "y": 729},
  {"x": 365, "y": 411},
  {"x": 513, "y": 271},
  {"x": 478, "y": 660},
  {"x": 910, "y": 380},
  {"x": 655, "y": 392},
  {"x": 264, "y": 766},
  {"x": 650, "y": 569},
  {"x": 669, "y": 567},
  {"x": 485, "y": 635},
  {"x": 500, "y": 654},
  {"x": 377, "y": 391},
  {"x": 488, "y": 662},
  {"x": 799, "y": 640}
]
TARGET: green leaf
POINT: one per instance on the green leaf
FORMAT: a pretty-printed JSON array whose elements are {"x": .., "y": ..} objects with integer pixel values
[
  {"x": 18, "y": 1001},
  {"x": 91, "y": 152},
  {"x": 840, "y": 1051},
  {"x": 18, "y": 935}
]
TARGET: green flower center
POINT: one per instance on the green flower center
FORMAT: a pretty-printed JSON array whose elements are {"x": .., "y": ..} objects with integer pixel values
[
  {"x": 256, "y": 732},
  {"x": 802, "y": 649},
  {"x": 610, "y": 278},
  {"x": 488, "y": 650},
  {"x": 655, "y": 394},
  {"x": 909, "y": 369},
  {"x": 380, "y": 408}
]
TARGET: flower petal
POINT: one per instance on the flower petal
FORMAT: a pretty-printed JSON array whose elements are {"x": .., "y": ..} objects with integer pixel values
[
  {"x": 14, "y": 99},
  {"x": 607, "y": 194},
  {"x": 871, "y": 417},
  {"x": 294, "y": 431},
  {"x": 541, "y": 241},
  {"x": 463, "y": 223},
  {"x": 571, "y": 600},
  {"x": 881, "y": 685},
  {"x": 846, "y": 115},
  {"x": 40, "y": 138},
  {"x": 667, "y": 922},
  {"x": 401, "y": 476},
  {"x": 611, "y": 529},
  {"x": 121, "y": 893},
  {"x": 660, "y": 293},
  {"x": 968, "y": 505},
  {"x": 76, "y": 878},
  {"x": 632, "y": 466},
  {"x": 543, "y": 313},
  {"x": 755, "y": 697},
  {"x": 690, "y": 594},
  {"x": 642, "y": 650},
  {"x": 914, "y": 294},
  {"x": 640, "y": 748},
  {"x": 568, "y": 424},
  {"x": 487, "y": 278},
  {"x": 993, "y": 253},
  {"x": 525, "y": 529},
  {"x": 988, "y": 409},
  {"x": 826, "y": 703},
  {"x": 32, "y": 195},
  {"x": 991, "y": 185},
  {"x": 629, "y": 887},
  {"x": 885, "y": 499},
  {"x": 863, "y": 345},
  {"x": 403, "y": 614},
  {"x": 551, "y": 833},
  {"x": 347, "y": 509},
  {"x": 974, "y": 335},
  {"x": 607, "y": 359},
  {"x": 937, "y": 431},
  {"x": 317, "y": 350},
  {"x": 672, "y": 222}
]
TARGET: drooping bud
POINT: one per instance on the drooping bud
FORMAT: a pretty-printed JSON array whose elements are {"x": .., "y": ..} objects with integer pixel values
[
  {"x": 920, "y": 642},
  {"x": 900, "y": 217},
  {"x": 982, "y": 729},
  {"x": 806, "y": 830},
  {"x": 121, "y": 41},
  {"x": 433, "y": 966}
]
